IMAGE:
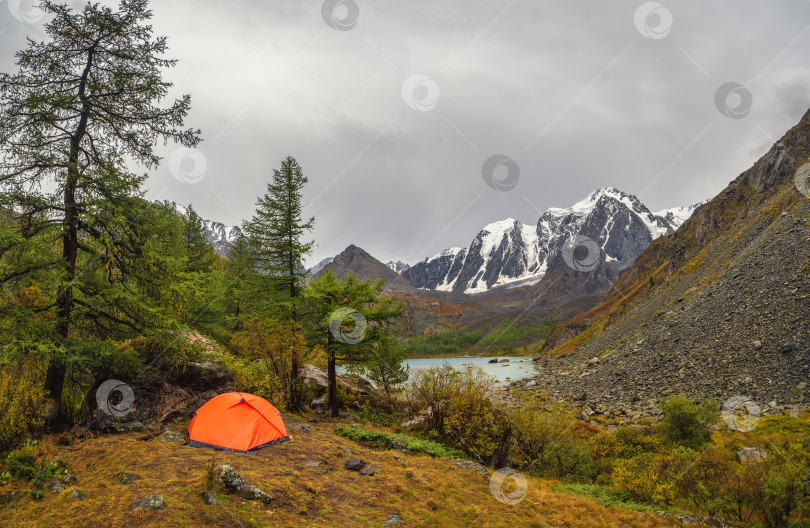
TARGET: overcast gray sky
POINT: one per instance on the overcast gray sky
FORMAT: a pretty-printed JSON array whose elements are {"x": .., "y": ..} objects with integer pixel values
[{"x": 579, "y": 94}]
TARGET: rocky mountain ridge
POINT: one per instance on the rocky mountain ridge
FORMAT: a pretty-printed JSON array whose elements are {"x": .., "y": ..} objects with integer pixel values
[
  {"x": 721, "y": 308},
  {"x": 611, "y": 225}
]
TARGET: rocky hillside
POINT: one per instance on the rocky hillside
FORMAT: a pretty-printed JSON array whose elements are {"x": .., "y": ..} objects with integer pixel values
[
  {"x": 717, "y": 309},
  {"x": 609, "y": 225},
  {"x": 358, "y": 262}
]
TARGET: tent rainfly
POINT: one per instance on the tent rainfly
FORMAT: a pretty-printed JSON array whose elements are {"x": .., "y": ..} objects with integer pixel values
[{"x": 237, "y": 422}]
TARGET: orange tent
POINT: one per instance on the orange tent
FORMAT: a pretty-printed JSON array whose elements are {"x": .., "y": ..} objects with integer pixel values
[{"x": 236, "y": 422}]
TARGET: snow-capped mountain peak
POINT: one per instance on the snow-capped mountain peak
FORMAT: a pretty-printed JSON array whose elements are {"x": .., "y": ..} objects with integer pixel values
[
  {"x": 509, "y": 252},
  {"x": 398, "y": 265}
]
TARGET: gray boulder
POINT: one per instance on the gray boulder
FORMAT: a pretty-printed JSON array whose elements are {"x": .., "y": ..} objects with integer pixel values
[
  {"x": 209, "y": 497},
  {"x": 367, "y": 472},
  {"x": 751, "y": 455},
  {"x": 149, "y": 502},
  {"x": 236, "y": 483},
  {"x": 354, "y": 464},
  {"x": 472, "y": 466}
]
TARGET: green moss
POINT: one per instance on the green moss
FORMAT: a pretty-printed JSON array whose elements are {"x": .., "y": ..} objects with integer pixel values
[{"x": 384, "y": 441}]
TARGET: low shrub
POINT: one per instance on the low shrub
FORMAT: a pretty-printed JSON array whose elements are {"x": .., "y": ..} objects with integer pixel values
[
  {"x": 566, "y": 460},
  {"x": 457, "y": 408},
  {"x": 536, "y": 425},
  {"x": 686, "y": 423}
]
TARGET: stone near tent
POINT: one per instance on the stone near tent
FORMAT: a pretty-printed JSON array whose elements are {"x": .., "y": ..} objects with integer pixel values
[
  {"x": 751, "y": 455},
  {"x": 367, "y": 472},
  {"x": 209, "y": 497},
  {"x": 171, "y": 436},
  {"x": 149, "y": 502},
  {"x": 239, "y": 486},
  {"x": 354, "y": 464}
]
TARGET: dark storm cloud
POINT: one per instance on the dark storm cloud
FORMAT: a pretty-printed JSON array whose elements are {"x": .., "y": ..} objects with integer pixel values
[{"x": 571, "y": 91}]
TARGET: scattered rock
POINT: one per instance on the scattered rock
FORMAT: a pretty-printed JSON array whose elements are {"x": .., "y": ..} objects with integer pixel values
[
  {"x": 302, "y": 427},
  {"x": 757, "y": 344},
  {"x": 504, "y": 360},
  {"x": 493, "y": 360},
  {"x": 311, "y": 463},
  {"x": 78, "y": 495},
  {"x": 398, "y": 458},
  {"x": 581, "y": 397},
  {"x": 128, "y": 478},
  {"x": 472, "y": 466},
  {"x": 209, "y": 497},
  {"x": 593, "y": 361},
  {"x": 788, "y": 347},
  {"x": 237, "y": 484},
  {"x": 751, "y": 455},
  {"x": 393, "y": 519},
  {"x": 367, "y": 471},
  {"x": 347, "y": 451},
  {"x": 171, "y": 436},
  {"x": 354, "y": 464},
  {"x": 149, "y": 502}
]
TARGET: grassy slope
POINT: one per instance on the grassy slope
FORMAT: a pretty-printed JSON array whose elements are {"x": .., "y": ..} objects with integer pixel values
[{"x": 423, "y": 490}]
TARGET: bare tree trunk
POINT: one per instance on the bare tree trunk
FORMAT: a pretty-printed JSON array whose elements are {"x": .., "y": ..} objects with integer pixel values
[{"x": 332, "y": 382}]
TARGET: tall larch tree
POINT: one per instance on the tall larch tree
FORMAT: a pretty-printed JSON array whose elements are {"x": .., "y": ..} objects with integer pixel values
[
  {"x": 83, "y": 106},
  {"x": 276, "y": 236}
]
